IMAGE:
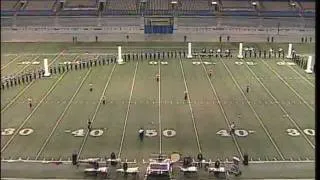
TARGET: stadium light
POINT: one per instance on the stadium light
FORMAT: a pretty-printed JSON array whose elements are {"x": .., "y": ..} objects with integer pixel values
[
  {"x": 293, "y": 4},
  {"x": 174, "y": 2},
  {"x": 254, "y": 3}
]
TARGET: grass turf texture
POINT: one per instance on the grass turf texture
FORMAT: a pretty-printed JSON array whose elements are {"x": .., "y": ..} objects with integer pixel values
[{"x": 63, "y": 102}]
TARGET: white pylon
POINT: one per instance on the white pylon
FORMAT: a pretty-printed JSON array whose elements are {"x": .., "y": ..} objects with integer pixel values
[
  {"x": 309, "y": 66},
  {"x": 289, "y": 55},
  {"x": 240, "y": 56},
  {"x": 46, "y": 68},
  {"x": 119, "y": 60},
  {"x": 189, "y": 51}
]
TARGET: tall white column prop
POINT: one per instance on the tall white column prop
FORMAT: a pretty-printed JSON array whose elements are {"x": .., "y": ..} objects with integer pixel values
[
  {"x": 119, "y": 60},
  {"x": 189, "y": 51},
  {"x": 240, "y": 51},
  {"x": 289, "y": 56},
  {"x": 46, "y": 68},
  {"x": 309, "y": 65}
]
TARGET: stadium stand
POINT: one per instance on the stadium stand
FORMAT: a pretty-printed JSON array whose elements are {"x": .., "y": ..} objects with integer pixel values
[
  {"x": 80, "y": 3},
  {"x": 39, "y": 5},
  {"x": 262, "y": 8},
  {"x": 8, "y": 5},
  {"x": 121, "y": 7},
  {"x": 237, "y": 8}
]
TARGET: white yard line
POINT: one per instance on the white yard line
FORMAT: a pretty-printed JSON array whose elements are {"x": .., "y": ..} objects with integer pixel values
[
  {"x": 16, "y": 97},
  {"x": 222, "y": 110},
  {"x": 32, "y": 112},
  {"x": 24, "y": 89},
  {"x": 97, "y": 109},
  {"x": 311, "y": 84},
  {"x": 159, "y": 92},
  {"x": 254, "y": 111},
  {"x": 128, "y": 109},
  {"x": 190, "y": 107},
  {"x": 288, "y": 85},
  {"x": 13, "y": 60},
  {"x": 27, "y": 65},
  {"x": 62, "y": 114},
  {"x": 281, "y": 107}
]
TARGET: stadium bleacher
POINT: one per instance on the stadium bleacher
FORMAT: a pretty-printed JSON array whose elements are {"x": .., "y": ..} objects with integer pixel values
[
  {"x": 265, "y": 8},
  {"x": 8, "y": 5},
  {"x": 80, "y": 3},
  {"x": 308, "y": 6},
  {"x": 39, "y": 5}
]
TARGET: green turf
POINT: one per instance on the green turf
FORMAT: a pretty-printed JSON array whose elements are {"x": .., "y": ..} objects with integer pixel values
[{"x": 69, "y": 105}]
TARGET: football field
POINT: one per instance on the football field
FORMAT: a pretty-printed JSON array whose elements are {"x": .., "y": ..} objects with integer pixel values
[{"x": 271, "y": 104}]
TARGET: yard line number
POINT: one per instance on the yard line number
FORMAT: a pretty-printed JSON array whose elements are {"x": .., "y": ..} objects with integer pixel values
[
  {"x": 22, "y": 132},
  {"x": 165, "y": 133},
  {"x": 238, "y": 132},
  {"x": 295, "y": 132},
  {"x": 152, "y": 132},
  {"x": 93, "y": 133}
]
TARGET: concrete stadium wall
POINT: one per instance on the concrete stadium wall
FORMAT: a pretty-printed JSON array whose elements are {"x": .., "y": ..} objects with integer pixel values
[
  {"x": 246, "y": 29},
  {"x": 85, "y": 34}
]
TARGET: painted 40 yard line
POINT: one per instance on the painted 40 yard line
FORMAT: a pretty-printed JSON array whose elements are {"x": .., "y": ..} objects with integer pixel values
[
  {"x": 254, "y": 111},
  {"x": 222, "y": 110},
  {"x": 96, "y": 110}
]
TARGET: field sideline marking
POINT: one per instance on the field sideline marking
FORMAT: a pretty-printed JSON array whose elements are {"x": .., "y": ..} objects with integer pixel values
[
  {"x": 33, "y": 110},
  {"x": 281, "y": 107},
  {"x": 128, "y": 109},
  {"x": 24, "y": 89},
  {"x": 304, "y": 78},
  {"x": 11, "y": 61},
  {"x": 96, "y": 110},
  {"x": 62, "y": 114},
  {"x": 254, "y": 111},
  {"x": 190, "y": 107},
  {"x": 159, "y": 92},
  {"x": 288, "y": 85},
  {"x": 222, "y": 110}
]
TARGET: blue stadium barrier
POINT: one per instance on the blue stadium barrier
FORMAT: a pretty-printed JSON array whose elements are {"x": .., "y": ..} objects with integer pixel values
[
  {"x": 35, "y": 13},
  {"x": 309, "y": 13},
  {"x": 78, "y": 13},
  {"x": 7, "y": 12},
  {"x": 239, "y": 13},
  {"x": 119, "y": 12},
  {"x": 195, "y": 13},
  {"x": 279, "y": 13}
]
